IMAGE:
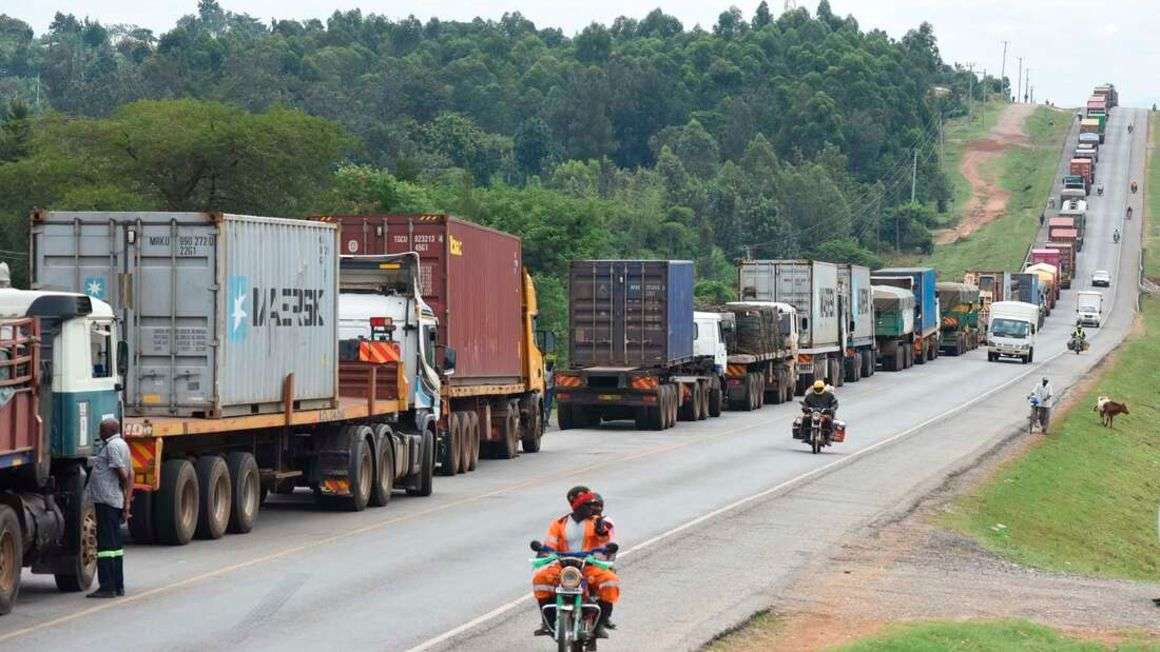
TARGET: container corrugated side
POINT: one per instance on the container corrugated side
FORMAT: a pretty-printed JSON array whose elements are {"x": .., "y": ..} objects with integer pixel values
[
  {"x": 862, "y": 303},
  {"x": 811, "y": 287},
  {"x": 630, "y": 313},
  {"x": 216, "y": 309}
]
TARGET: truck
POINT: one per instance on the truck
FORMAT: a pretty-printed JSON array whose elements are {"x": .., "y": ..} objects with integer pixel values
[
  {"x": 857, "y": 299},
  {"x": 958, "y": 305},
  {"x": 1075, "y": 182},
  {"x": 711, "y": 336},
  {"x": 1049, "y": 282},
  {"x": 1026, "y": 287},
  {"x": 58, "y": 381},
  {"x": 993, "y": 286},
  {"x": 1088, "y": 153},
  {"x": 921, "y": 281},
  {"x": 631, "y": 346},
  {"x": 1108, "y": 92},
  {"x": 235, "y": 382},
  {"x": 1083, "y": 167},
  {"x": 894, "y": 310},
  {"x": 1014, "y": 325},
  {"x": 1090, "y": 126},
  {"x": 474, "y": 279},
  {"x": 1089, "y": 308},
  {"x": 1055, "y": 258},
  {"x": 763, "y": 348},
  {"x": 1076, "y": 212},
  {"x": 1089, "y": 140},
  {"x": 811, "y": 287},
  {"x": 1065, "y": 235},
  {"x": 1097, "y": 106},
  {"x": 1066, "y": 260}
]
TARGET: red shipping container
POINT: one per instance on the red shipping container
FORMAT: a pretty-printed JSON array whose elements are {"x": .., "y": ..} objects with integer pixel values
[
  {"x": 470, "y": 275},
  {"x": 1068, "y": 222}
]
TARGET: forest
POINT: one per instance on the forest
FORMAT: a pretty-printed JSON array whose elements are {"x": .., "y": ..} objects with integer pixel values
[{"x": 766, "y": 135}]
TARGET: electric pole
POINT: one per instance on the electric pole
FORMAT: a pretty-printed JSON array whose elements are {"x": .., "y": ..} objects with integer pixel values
[
  {"x": 984, "y": 86},
  {"x": 1027, "y": 87},
  {"x": 1003, "y": 73},
  {"x": 1019, "y": 89},
  {"x": 970, "y": 88},
  {"x": 913, "y": 174}
]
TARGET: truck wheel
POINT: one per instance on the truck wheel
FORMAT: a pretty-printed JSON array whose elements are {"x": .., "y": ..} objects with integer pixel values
[
  {"x": 360, "y": 473},
  {"x": 176, "y": 503},
  {"x": 452, "y": 448},
  {"x": 464, "y": 443},
  {"x": 1031, "y": 355},
  {"x": 384, "y": 480},
  {"x": 688, "y": 410},
  {"x": 837, "y": 373},
  {"x": 716, "y": 398},
  {"x": 909, "y": 356},
  {"x": 423, "y": 485},
  {"x": 142, "y": 522},
  {"x": 508, "y": 445},
  {"x": 215, "y": 497},
  {"x": 530, "y": 442},
  {"x": 867, "y": 363},
  {"x": 674, "y": 404},
  {"x": 80, "y": 535},
  {"x": 247, "y": 491},
  {"x": 706, "y": 398},
  {"x": 473, "y": 435},
  {"x": 564, "y": 416},
  {"x": 11, "y": 558}
]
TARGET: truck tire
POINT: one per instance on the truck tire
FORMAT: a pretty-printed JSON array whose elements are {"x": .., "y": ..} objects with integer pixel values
[
  {"x": 247, "y": 491},
  {"x": 530, "y": 441},
  {"x": 867, "y": 363},
  {"x": 716, "y": 398},
  {"x": 688, "y": 410},
  {"x": 509, "y": 425},
  {"x": 451, "y": 449},
  {"x": 674, "y": 405},
  {"x": 11, "y": 558},
  {"x": 706, "y": 398},
  {"x": 564, "y": 416},
  {"x": 464, "y": 443},
  {"x": 175, "y": 505},
  {"x": 473, "y": 435},
  {"x": 384, "y": 481},
  {"x": 424, "y": 485},
  {"x": 837, "y": 373},
  {"x": 80, "y": 534},
  {"x": 776, "y": 395},
  {"x": 141, "y": 521},
  {"x": 641, "y": 418},
  {"x": 669, "y": 408},
  {"x": 214, "y": 496}
]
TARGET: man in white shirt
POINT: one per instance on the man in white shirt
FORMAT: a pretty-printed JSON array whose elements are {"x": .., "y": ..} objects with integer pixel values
[{"x": 1046, "y": 395}]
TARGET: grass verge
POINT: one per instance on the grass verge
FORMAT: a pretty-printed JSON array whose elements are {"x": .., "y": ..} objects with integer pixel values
[
  {"x": 1085, "y": 500},
  {"x": 1152, "y": 234},
  {"x": 1027, "y": 173},
  {"x": 982, "y": 635}
]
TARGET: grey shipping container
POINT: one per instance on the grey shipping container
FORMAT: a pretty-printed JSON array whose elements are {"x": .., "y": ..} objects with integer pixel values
[
  {"x": 854, "y": 282},
  {"x": 222, "y": 313},
  {"x": 630, "y": 313},
  {"x": 810, "y": 286}
]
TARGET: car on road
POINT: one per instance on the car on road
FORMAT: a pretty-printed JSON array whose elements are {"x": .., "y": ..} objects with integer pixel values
[{"x": 1101, "y": 279}]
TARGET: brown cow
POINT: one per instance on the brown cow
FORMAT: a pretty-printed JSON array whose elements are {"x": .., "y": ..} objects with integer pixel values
[{"x": 1109, "y": 410}]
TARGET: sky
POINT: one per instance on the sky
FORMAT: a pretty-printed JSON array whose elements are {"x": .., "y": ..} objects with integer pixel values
[{"x": 1068, "y": 45}]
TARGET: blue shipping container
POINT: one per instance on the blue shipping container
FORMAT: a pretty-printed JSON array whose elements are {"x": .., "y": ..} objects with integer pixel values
[
  {"x": 924, "y": 282},
  {"x": 630, "y": 313},
  {"x": 1026, "y": 288}
]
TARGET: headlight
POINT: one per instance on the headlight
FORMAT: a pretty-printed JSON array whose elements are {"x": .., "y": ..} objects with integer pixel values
[{"x": 570, "y": 578}]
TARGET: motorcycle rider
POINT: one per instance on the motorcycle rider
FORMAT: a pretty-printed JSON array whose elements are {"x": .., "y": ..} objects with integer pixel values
[
  {"x": 585, "y": 528},
  {"x": 1079, "y": 335},
  {"x": 1116, "y": 235},
  {"x": 1045, "y": 393},
  {"x": 1100, "y": 189},
  {"x": 821, "y": 397}
]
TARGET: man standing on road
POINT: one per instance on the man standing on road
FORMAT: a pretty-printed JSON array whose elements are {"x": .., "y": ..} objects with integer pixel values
[
  {"x": 549, "y": 390},
  {"x": 1045, "y": 393},
  {"x": 111, "y": 488}
]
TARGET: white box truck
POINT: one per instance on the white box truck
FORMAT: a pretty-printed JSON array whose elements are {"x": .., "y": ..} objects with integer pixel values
[
  {"x": 1012, "y": 331},
  {"x": 1089, "y": 308}
]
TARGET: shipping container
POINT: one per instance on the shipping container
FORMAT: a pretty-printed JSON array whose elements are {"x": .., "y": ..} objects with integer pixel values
[
  {"x": 858, "y": 300},
  {"x": 470, "y": 275},
  {"x": 1091, "y": 139},
  {"x": 1066, "y": 261},
  {"x": 1049, "y": 281},
  {"x": 894, "y": 309},
  {"x": 810, "y": 286},
  {"x": 926, "y": 318},
  {"x": 630, "y": 313},
  {"x": 221, "y": 312},
  {"x": 1027, "y": 287},
  {"x": 1083, "y": 167}
]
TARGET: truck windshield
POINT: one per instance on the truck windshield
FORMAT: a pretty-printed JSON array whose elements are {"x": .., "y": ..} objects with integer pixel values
[{"x": 1010, "y": 328}]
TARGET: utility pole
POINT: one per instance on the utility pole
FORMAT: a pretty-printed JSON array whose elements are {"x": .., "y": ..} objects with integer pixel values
[
  {"x": 1003, "y": 73},
  {"x": 970, "y": 88},
  {"x": 984, "y": 86},
  {"x": 1027, "y": 86},
  {"x": 913, "y": 174},
  {"x": 1019, "y": 89}
]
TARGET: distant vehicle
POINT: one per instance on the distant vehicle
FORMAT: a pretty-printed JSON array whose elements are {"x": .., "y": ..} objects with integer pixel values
[
  {"x": 1013, "y": 327},
  {"x": 1089, "y": 308},
  {"x": 1101, "y": 279}
]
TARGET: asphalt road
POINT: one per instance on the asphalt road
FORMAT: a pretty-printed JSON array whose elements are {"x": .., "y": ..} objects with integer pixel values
[{"x": 714, "y": 518}]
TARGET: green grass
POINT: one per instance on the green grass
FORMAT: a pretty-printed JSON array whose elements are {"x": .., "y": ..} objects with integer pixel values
[
  {"x": 1027, "y": 173},
  {"x": 981, "y": 635},
  {"x": 1085, "y": 500},
  {"x": 1152, "y": 235},
  {"x": 957, "y": 133}
]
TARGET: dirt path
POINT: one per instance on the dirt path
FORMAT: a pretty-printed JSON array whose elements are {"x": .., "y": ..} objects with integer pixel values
[{"x": 988, "y": 200}]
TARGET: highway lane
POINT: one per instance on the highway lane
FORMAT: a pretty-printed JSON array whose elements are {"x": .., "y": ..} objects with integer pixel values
[{"x": 409, "y": 574}]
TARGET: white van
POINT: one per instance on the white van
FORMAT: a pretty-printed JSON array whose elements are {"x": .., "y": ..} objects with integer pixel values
[
  {"x": 1089, "y": 308},
  {"x": 1012, "y": 330}
]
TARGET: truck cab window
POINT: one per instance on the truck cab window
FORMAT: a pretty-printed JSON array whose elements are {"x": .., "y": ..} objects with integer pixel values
[
  {"x": 101, "y": 349},
  {"x": 429, "y": 345}
]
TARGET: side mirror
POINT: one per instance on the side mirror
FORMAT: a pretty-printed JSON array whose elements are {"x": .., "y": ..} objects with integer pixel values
[
  {"x": 122, "y": 358},
  {"x": 448, "y": 360},
  {"x": 536, "y": 546}
]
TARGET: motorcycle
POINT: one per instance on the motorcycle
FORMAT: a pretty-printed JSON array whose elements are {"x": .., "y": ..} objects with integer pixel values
[
  {"x": 1134, "y": 187},
  {"x": 1077, "y": 345},
  {"x": 1129, "y": 212},
  {"x": 818, "y": 428},
  {"x": 1116, "y": 237},
  {"x": 571, "y": 619}
]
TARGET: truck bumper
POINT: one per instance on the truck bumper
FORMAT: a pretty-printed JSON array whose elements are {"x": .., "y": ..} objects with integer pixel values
[{"x": 606, "y": 397}]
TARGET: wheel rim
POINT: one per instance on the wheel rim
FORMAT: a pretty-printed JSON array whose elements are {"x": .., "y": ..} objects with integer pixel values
[
  {"x": 221, "y": 503},
  {"x": 188, "y": 506},
  {"x": 366, "y": 472},
  {"x": 88, "y": 553},
  {"x": 250, "y": 495},
  {"x": 8, "y": 570}
]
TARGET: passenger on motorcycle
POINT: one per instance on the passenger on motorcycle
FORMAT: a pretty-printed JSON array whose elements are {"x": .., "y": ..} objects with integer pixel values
[{"x": 585, "y": 528}]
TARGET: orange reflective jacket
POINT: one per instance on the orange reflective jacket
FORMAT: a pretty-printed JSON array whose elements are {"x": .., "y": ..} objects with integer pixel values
[{"x": 558, "y": 540}]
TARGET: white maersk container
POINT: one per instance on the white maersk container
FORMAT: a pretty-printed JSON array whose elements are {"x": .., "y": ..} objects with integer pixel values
[{"x": 223, "y": 314}]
